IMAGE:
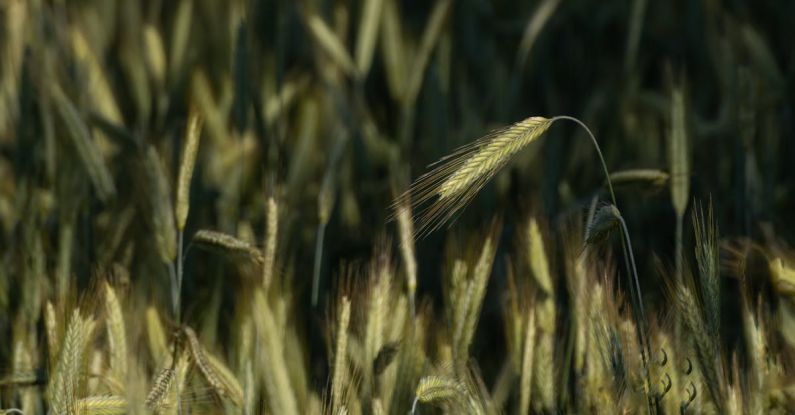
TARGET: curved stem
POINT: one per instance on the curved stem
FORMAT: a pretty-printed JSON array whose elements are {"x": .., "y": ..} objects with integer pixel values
[{"x": 598, "y": 151}]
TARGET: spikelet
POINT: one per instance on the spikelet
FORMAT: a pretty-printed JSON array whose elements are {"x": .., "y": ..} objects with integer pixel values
[
  {"x": 271, "y": 234},
  {"x": 707, "y": 257},
  {"x": 603, "y": 223},
  {"x": 545, "y": 315},
  {"x": 476, "y": 291},
  {"x": 437, "y": 389},
  {"x": 646, "y": 177},
  {"x": 192, "y": 134},
  {"x": 102, "y": 405},
  {"x": 340, "y": 374},
  {"x": 227, "y": 245},
  {"x": 69, "y": 375},
  {"x": 160, "y": 389},
  {"x": 177, "y": 393},
  {"x": 538, "y": 258},
  {"x": 441, "y": 193},
  {"x": 706, "y": 347},
  {"x": 757, "y": 351},
  {"x": 215, "y": 373},
  {"x": 117, "y": 337},
  {"x": 377, "y": 310},
  {"x": 229, "y": 384}
]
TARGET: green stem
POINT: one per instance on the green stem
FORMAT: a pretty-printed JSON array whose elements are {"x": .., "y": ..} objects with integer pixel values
[{"x": 598, "y": 151}]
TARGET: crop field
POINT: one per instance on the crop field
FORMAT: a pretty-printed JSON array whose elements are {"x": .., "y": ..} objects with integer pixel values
[{"x": 397, "y": 207}]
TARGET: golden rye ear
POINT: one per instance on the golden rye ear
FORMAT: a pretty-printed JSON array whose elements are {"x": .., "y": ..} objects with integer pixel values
[
  {"x": 441, "y": 194},
  {"x": 457, "y": 178}
]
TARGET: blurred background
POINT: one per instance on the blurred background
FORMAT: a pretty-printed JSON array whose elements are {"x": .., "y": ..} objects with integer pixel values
[{"x": 334, "y": 107}]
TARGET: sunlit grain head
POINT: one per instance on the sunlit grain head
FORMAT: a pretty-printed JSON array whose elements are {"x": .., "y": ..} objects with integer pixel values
[{"x": 440, "y": 194}]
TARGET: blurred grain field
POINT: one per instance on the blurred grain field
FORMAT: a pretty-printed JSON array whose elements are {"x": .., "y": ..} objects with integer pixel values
[{"x": 279, "y": 207}]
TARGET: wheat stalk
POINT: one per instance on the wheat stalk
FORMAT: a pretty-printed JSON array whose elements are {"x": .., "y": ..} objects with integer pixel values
[
  {"x": 87, "y": 150},
  {"x": 117, "y": 337},
  {"x": 527, "y": 363},
  {"x": 706, "y": 346},
  {"x": 340, "y": 369},
  {"x": 430, "y": 37},
  {"x": 406, "y": 232},
  {"x": 368, "y": 34},
  {"x": 102, "y": 405},
  {"x": 180, "y": 34},
  {"x": 53, "y": 332},
  {"x": 155, "y": 54},
  {"x": 155, "y": 335},
  {"x": 707, "y": 257},
  {"x": 377, "y": 313},
  {"x": 538, "y": 259},
  {"x": 227, "y": 245},
  {"x": 160, "y": 389},
  {"x": 443, "y": 192},
  {"x": 647, "y": 177},
  {"x": 545, "y": 315},
  {"x": 182, "y": 205},
  {"x": 393, "y": 50},
  {"x": 437, "y": 389},
  {"x": 282, "y": 399},
  {"x": 217, "y": 375},
  {"x": 330, "y": 43},
  {"x": 475, "y": 293},
  {"x": 457, "y": 178},
  {"x": 191, "y": 150},
  {"x": 159, "y": 193},
  {"x": 271, "y": 233},
  {"x": 69, "y": 375}
]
